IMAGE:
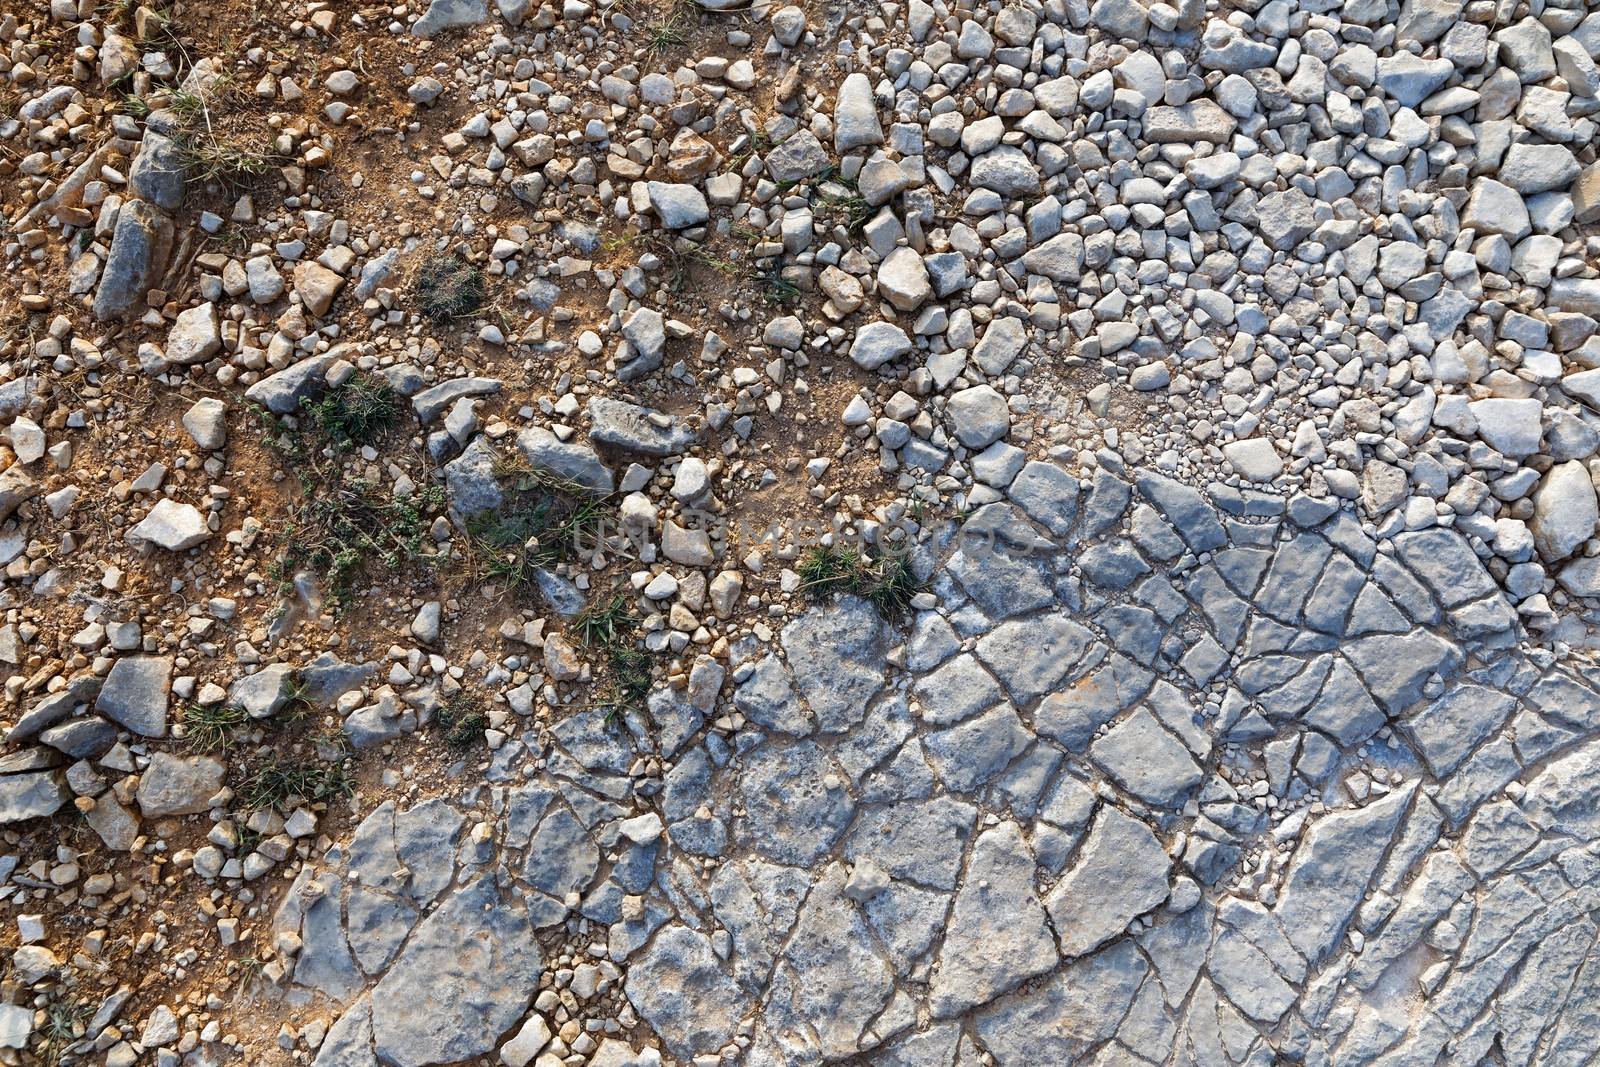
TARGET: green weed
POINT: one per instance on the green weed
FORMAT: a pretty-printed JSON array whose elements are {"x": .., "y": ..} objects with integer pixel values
[
  {"x": 887, "y": 582},
  {"x": 210, "y": 727}
]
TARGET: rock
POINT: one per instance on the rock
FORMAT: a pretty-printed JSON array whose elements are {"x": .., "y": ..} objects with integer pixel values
[
  {"x": 174, "y": 785},
  {"x": 195, "y": 336},
  {"x": 1255, "y": 459},
  {"x": 1121, "y": 873},
  {"x": 1007, "y": 170},
  {"x": 855, "y": 115},
  {"x": 140, "y": 245},
  {"x": 631, "y": 428},
  {"x": 878, "y": 343},
  {"x": 264, "y": 693},
  {"x": 1586, "y": 195},
  {"x": 34, "y": 795},
  {"x": 574, "y": 462},
  {"x": 1338, "y": 850},
  {"x": 445, "y": 15},
  {"x": 998, "y": 936},
  {"x": 1565, "y": 511},
  {"x": 171, "y": 525},
  {"x": 1510, "y": 427},
  {"x": 206, "y": 421},
  {"x": 16, "y": 486},
  {"x": 282, "y": 392},
  {"x": 677, "y": 206},
  {"x": 1285, "y": 218},
  {"x": 798, "y": 157},
  {"x": 135, "y": 694},
  {"x": 464, "y": 978},
  {"x": 157, "y": 173},
  {"x": 1535, "y": 168},
  {"x": 434, "y": 401},
  {"x": 471, "y": 478},
  {"x": 903, "y": 280},
  {"x": 1199, "y": 121},
  {"x": 315, "y": 284},
  {"x": 979, "y": 416}
]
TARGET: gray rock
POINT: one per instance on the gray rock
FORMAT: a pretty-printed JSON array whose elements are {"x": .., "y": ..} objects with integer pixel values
[
  {"x": 793, "y": 814},
  {"x": 979, "y": 416},
  {"x": 1535, "y": 168},
  {"x": 207, "y": 422},
  {"x": 631, "y": 428},
  {"x": 1121, "y": 873},
  {"x": 677, "y": 206},
  {"x": 16, "y": 486},
  {"x": 1142, "y": 757},
  {"x": 471, "y": 480},
  {"x": 1338, "y": 851},
  {"x": 435, "y": 401},
  {"x": 140, "y": 245},
  {"x": 1199, "y": 121},
  {"x": 282, "y": 392},
  {"x": 34, "y": 795},
  {"x": 1285, "y": 219},
  {"x": 445, "y": 15},
  {"x": 175, "y": 785},
  {"x": 461, "y": 983},
  {"x": 1007, "y": 170},
  {"x": 877, "y": 343},
  {"x": 680, "y": 988},
  {"x": 136, "y": 692},
  {"x": 1565, "y": 511},
  {"x": 157, "y": 173},
  {"x": 567, "y": 459},
  {"x": 855, "y": 115},
  {"x": 798, "y": 157},
  {"x": 997, "y": 937}
]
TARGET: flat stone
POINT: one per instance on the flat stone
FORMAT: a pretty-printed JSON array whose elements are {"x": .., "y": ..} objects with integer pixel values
[
  {"x": 175, "y": 785},
  {"x": 171, "y": 525},
  {"x": 462, "y": 982},
  {"x": 632, "y": 428},
  {"x": 136, "y": 692},
  {"x": 1121, "y": 873}
]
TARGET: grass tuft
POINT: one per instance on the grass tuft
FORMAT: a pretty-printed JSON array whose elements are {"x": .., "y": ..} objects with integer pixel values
[
  {"x": 604, "y": 624},
  {"x": 356, "y": 412},
  {"x": 884, "y": 581},
  {"x": 211, "y": 727},
  {"x": 546, "y": 520},
  {"x": 449, "y": 288},
  {"x": 462, "y": 719},
  {"x": 278, "y": 779}
]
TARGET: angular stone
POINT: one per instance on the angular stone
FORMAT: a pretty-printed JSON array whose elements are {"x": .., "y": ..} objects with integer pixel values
[
  {"x": 1331, "y": 869},
  {"x": 997, "y": 936},
  {"x": 632, "y": 428},
  {"x": 136, "y": 692},
  {"x": 1143, "y": 758},
  {"x": 462, "y": 982},
  {"x": 174, "y": 785},
  {"x": 171, "y": 525}
]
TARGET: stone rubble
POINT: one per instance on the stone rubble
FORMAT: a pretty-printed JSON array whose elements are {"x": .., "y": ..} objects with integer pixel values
[{"x": 427, "y": 429}]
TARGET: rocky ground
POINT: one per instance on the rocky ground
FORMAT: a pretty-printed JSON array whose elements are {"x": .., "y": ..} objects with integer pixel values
[{"x": 916, "y": 535}]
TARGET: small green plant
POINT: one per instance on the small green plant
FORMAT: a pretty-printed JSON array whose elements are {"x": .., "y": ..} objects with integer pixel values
[
  {"x": 277, "y": 779},
  {"x": 887, "y": 582},
  {"x": 337, "y": 530},
  {"x": 775, "y": 288},
  {"x": 462, "y": 719},
  {"x": 63, "y": 1020},
  {"x": 356, "y": 412},
  {"x": 546, "y": 520},
  {"x": 135, "y": 105},
  {"x": 843, "y": 206},
  {"x": 449, "y": 288},
  {"x": 603, "y": 624},
  {"x": 211, "y": 727},
  {"x": 670, "y": 31}
]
